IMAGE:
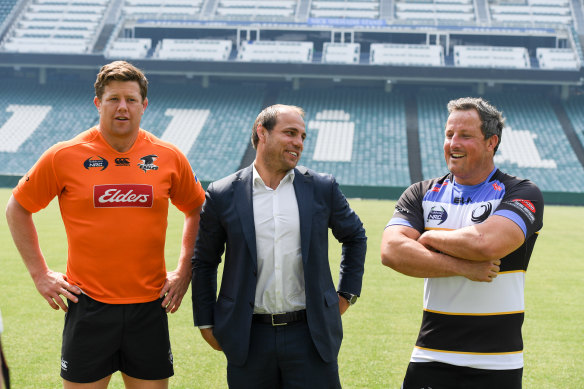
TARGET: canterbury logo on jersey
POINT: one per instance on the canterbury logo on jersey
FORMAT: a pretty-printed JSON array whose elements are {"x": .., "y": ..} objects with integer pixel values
[{"x": 122, "y": 196}]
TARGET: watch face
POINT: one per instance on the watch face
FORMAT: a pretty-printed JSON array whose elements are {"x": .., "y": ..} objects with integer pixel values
[{"x": 351, "y": 298}]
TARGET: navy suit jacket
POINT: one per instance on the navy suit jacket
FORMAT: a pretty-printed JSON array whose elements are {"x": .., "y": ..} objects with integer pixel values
[{"x": 227, "y": 224}]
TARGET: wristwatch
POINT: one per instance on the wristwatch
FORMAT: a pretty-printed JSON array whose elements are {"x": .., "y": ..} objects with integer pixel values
[{"x": 351, "y": 298}]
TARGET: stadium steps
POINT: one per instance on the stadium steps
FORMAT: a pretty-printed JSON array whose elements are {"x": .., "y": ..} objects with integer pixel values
[
  {"x": 208, "y": 9},
  {"x": 482, "y": 12},
  {"x": 578, "y": 13},
  {"x": 387, "y": 10},
  {"x": 250, "y": 153},
  {"x": 414, "y": 157},
  {"x": 103, "y": 38},
  {"x": 569, "y": 131},
  {"x": 303, "y": 11}
]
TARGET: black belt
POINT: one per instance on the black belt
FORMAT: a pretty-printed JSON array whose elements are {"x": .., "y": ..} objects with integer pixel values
[{"x": 280, "y": 319}]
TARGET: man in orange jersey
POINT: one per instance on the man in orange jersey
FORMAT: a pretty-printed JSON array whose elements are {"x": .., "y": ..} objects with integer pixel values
[{"x": 116, "y": 282}]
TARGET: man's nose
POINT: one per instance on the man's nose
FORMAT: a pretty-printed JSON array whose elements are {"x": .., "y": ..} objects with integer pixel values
[{"x": 299, "y": 142}]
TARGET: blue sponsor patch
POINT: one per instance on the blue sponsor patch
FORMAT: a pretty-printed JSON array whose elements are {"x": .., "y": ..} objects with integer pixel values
[
  {"x": 438, "y": 213},
  {"x": 98, "y": 162}
]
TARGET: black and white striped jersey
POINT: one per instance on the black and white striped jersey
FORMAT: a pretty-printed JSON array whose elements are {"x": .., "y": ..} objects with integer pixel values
[{"x": 468, "y": 323}]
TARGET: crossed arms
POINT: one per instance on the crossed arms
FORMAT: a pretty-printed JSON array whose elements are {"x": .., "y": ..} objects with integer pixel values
[{"x": 473, "y": 252}]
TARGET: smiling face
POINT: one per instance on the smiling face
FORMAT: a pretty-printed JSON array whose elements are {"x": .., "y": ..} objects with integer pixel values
[
  {"x": 469, "y": 156},
  {"x": 279, "y": 150},
  {"x": 120, "y": 111}
]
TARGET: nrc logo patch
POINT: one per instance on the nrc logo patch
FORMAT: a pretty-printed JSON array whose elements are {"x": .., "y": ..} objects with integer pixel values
[
  {"x": 437, "y": 213},
  {"x": 123, "y": 196}
]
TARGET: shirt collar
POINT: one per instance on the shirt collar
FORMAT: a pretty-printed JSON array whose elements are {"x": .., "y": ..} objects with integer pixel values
[{"x": 257, "y": 179}]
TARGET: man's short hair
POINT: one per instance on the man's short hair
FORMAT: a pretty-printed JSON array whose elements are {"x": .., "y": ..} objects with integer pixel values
[
  {"x": 120, "y": 71},
  {"x": 492, "y": 121},
  {"x": 268, "y": 119}
]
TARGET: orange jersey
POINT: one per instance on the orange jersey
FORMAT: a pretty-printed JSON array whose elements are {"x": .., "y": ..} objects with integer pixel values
[{"x": 114, "y": 206}]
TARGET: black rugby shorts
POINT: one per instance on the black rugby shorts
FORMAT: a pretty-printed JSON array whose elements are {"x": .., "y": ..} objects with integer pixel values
[
  {"x": 100, "y": 339},
  {"x": 436, "y": 375}
]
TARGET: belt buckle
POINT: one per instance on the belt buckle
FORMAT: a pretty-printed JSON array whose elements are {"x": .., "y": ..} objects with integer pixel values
[{"x": 276, "y": 324}]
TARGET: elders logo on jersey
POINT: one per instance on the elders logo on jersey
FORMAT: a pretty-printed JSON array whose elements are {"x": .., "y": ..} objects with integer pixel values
[{"x": 123, "y": 196}]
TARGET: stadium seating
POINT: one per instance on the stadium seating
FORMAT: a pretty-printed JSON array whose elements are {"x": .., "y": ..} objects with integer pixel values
[
  {"x": 538, "y": 12},
  {"x": 275, "y": 51},
  {"x": 435, "y": 11},
  {"x": 125, "y": 48},
  {"x": 342, "y": 53},
  {"x": 402, "y": 54},
  {"x": 356, "y": 134},
  {"x": 162, "y": 8},
  {"x": 33, "y": 117},
  {"x": 533, "y": 144},
  {"x": 57, "y": 26},
  {"x": 549, "y": 58},
  {"x": 357, "y": 9},
  {"x": 194, "y": 49},
  {"x": 575, "y": 110},
  {"x": 212, "y": 126},
  {"x": 276, "y": 10},
  {"x": 6, "y": 7},
  {"x": 491, "y": 57}
]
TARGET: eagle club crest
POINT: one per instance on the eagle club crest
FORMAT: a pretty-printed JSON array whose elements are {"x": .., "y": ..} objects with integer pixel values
[{"x": 148, "y": 162}]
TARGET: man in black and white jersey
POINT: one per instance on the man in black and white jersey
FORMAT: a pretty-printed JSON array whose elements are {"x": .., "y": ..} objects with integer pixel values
[{"x": 470, "y": 234}]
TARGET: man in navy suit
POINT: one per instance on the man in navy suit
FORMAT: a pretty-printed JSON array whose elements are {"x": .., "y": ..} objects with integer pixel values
[{"x": 277, "y": 317}]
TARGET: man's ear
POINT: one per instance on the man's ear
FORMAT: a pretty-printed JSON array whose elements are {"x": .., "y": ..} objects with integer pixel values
[
  {"x": 97, "y": 103},
  {"x": 492, "y": 142},
  {"x": 261, "y": 131}
]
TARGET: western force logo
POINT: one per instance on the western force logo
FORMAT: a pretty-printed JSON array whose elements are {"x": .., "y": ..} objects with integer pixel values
[
  {"x": 481, "y": 213},
  {"x": 98, "y": 162},
  {"x": 123, "y": 196},
  {"x": 122, "y": 161},
  {"x": 148, "y": 162},
  {"x": 437, "y": 213}
]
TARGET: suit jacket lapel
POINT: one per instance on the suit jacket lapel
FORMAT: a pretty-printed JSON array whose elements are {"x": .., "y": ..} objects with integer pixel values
[
  {"x": 242, "y": 196},
  {"x": 303, "y": 187}
]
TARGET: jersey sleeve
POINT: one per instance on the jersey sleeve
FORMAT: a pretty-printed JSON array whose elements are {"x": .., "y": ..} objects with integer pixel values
[
  {"x": 186, "y": 193},
  {"x": 39, "y": 185},
  {"x": 408, "y": 209},
  {"x": 523, "y": 204}
]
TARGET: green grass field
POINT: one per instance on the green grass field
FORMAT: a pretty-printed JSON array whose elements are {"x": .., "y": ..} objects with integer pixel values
[{"x": 380, "y": 329}]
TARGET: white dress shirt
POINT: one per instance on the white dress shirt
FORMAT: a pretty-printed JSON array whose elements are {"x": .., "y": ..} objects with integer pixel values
[{"x": 280, "y": 285}]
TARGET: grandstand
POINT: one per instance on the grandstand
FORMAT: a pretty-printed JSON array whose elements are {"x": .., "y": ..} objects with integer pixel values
[{"x": 373, "y": 76}]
